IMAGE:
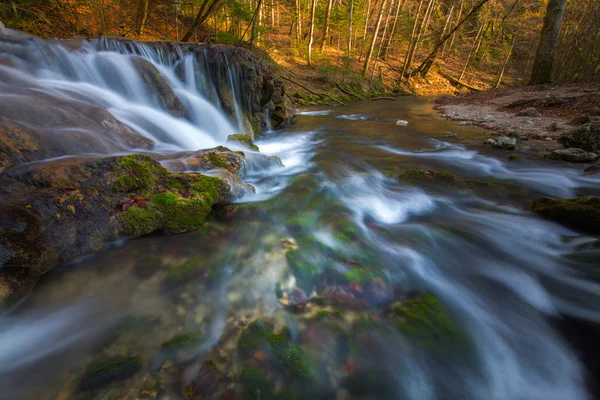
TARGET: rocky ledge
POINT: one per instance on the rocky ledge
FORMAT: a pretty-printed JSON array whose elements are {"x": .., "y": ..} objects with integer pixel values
[{"x": 55, "y": 211}]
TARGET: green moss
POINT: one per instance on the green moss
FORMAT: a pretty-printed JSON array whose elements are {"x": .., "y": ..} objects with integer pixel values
[
  {"x": 104, "y": 371},
  {"x": 305, "y": 271},
  {"x": 297, "y": 365},
  {"x": 244, "y": 139},
  {"x": 358, "y": 275},
  {"x": 255, "y": 383},
  {"x": 582, "y": 213},
  {"x": 139, "y": 172},
  {"x": 215, "y": 161},
  {"x": 425, "y": 322},
  {"x": 184, "y": 340},
  {"x": 427, "y": 175},
  {"x": 208, "y": 186},
  {"x": 253, "y": 338},
  {"x": 181, "y": 214},
  {"x": 139, "y": 221},
  {"x": 514, "y": 157}
]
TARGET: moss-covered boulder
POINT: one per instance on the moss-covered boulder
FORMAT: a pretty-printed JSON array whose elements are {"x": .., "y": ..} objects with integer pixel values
[
  {"x": 582, "y": 213},
  {"x": 244, "y": 140},
  {"x": 305, "y": 268},
  {"x": 106, "y": 370},
  {"x": 203, "y": 160},
  {"x": 586, "y": 137},
  {"x": 425, "y": 322},
  {"x": 259, "y": 336},
  {"x": 56, "y": 211},
  {"x": 440, "y": 179},
  {"x": 572, "y": 155}
]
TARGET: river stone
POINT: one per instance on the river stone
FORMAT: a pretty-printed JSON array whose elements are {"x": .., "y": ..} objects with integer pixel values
[
  {"x": 504, "y": 142},
  {"x": 529, "y": 112},
  {"x": 581, "y": 120},
  {"x": 586, "y": 137},
  {"x": 572, "y": 155},
  {"x": 57, "y": 211},
  {"x": 158, "y": 87},
  {"x": 582, "y": 213}
]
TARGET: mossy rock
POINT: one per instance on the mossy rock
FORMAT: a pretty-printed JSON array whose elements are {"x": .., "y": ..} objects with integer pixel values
[
  {"x": 255, "y": 384},
  {"x": 425, "y": 322},
  {"x": 107, "y": 370},
  {"x": 428, "y": 176},
  {"x": 582, "y": 213},
  {"x": 305, "y": 270},
  {"x": 244, "y": 140},
  {"x": 259, "y": 336},
  {"x": 138, "y": 172},
  {"x": 297, "y": 365},
  {"x": 182, "y": 341}
]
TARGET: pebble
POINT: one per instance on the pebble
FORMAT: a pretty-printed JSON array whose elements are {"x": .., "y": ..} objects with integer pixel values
[
  {"x": 402, "y": 122},
  {"x": 465, "y": 123}
]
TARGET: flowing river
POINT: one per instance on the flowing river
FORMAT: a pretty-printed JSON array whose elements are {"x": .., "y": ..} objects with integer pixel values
[{"x": 506, "y": 278}]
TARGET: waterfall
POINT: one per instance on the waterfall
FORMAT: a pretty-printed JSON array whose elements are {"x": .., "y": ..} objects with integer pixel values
[{"x": 163, "y": 94}]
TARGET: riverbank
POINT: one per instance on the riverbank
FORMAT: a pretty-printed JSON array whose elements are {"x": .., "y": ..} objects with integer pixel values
[{"x": 540, "y": 115}]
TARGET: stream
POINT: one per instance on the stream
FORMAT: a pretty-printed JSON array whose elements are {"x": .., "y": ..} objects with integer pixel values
[{"x": 369, "y": 241}]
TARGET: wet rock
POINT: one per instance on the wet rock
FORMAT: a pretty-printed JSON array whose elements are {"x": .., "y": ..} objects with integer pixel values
[
  {"x": 554, "y": 127},
  {"x": 104, "y": 371},
  {"x": 514, "y": 157},
  {"x": 297, "y": 299},
  {"x": 592, "y": 170},
  {"x": 586, "y": 137},
  {"x": 529, "y": 112},
  {"x": 582, "y": 213},
  {"x": 572, "y": 155},
  {"x": 426, "y": 323},
  {"x": 202, "y": 160},
  {"x": 504, "y": 142},
  {"x": 57, "y": 211},
  {"x": 401, "y": 122},
  {"x": 206, "y": 383},
  {"x": 243, "y": 140},
  {"x": 304, "y": 268},
  {"x": 297, "y": 365},
  {"x": 466, "y": 123},
  {"x": 255, "y": 383},
  {"x": 159, "y": 88},
  {"x": 450, "y": 135},
  {"x": 32, "y": 128},
  {"x": 581, "y": 120},
  {"x": 490, "y": 142}
]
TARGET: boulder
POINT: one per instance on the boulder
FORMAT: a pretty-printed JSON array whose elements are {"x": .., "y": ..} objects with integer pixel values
[
  {"x": 586, "y": 137},
  {"x": 572, "y": 155},
  {"x": 581, "y": 120},
  {"x": 503, "y": 142},
  {"x": 55, "y": 211},
  {"x": 202, "y": 160},
  {"x": 243, "y": 140},
  {"x": 582, "y": 213},
  {"x": 158, "y": 87},
  {"x": 529, "y": 112}
]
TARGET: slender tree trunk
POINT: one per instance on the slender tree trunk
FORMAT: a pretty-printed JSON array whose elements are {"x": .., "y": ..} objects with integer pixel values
[
  {"x": 312, "y": 30},
  {"x": 412, "y": 42},
  {"x": 475, "y": 46},
  {"x": 205, "y": 10},
  {"x": 383, "y": 37},
  {"x": 499, "y": 81},
  {"x": 298, "y": 22},
  {"x": 460, "y": 11},
  {"x": 423, "y": 69},
  {"x": 350, "y": 29},
  {"x": 367, "y": 20},
  {"x": 546, "y": 51},
  {"x": 326, "y": 28},
  {"x": 372, "y": 46},
  {"x": 424, "y": 26},
  {"x": 255, "y": 24},
  {"x": 142, "y": 14},
  {"x": 399, "y": 6}
]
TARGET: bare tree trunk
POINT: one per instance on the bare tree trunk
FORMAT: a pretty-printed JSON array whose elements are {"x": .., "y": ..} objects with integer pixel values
[
  {"x": 546, "y": 52},
  {"x": 474, "y": 48},
  {"x": 350, "y": 29},
  {"x": 326, "y": 29},
  {"x": 383, "y": 37},
  {"x": 460, "y": 10},
  {"x": 499, "y": 81},
  {"x": 255, "y": 24},
  {"x": 142, "y": 14},
  {"x": 412, "y": 42},
  {"x": 205, "y": 10},
  {"x": 424, "y": 26},
  {"x": 399, "y": 6},
  {"x": 312, "y": 30},
  {"x": 367, "y": 20},
  {"x": 423, "y": 69},
  {"x": 372, "y": 46},
  {"x": 298, "y": 22}
]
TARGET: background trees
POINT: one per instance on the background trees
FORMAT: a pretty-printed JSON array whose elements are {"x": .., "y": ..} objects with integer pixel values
[{"x": 479, "y": 42}]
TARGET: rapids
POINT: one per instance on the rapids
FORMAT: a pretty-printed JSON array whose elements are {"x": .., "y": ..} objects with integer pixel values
[{"x": 507, "y": 277}]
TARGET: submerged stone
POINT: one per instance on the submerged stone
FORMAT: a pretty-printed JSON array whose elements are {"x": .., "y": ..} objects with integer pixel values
[
  {"x": 104, "y": 371},
  {"x": 244, "y": 140},
  {"x": 582, "y": 213},
  {"x": 572, "y": 155}
]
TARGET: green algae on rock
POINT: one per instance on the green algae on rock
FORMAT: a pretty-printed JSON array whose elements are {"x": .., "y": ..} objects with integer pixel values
[
  {"x": 582, "y": 213},
  {"x": 425, "y": 322},
  {"x": 243, "y": 139},
  {"x": 183, "y": 340},
  {"x": 106, "y": 370}
]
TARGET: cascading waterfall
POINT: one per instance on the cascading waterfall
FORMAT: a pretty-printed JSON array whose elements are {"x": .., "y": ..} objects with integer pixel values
[{"x": 106, "y": 74}]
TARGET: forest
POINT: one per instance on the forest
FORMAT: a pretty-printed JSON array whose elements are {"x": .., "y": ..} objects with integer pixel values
[{"x": 481, "y": 43}]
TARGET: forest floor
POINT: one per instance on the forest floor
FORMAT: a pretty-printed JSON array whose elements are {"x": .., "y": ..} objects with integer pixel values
[{"x": 559, "y": 108}]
